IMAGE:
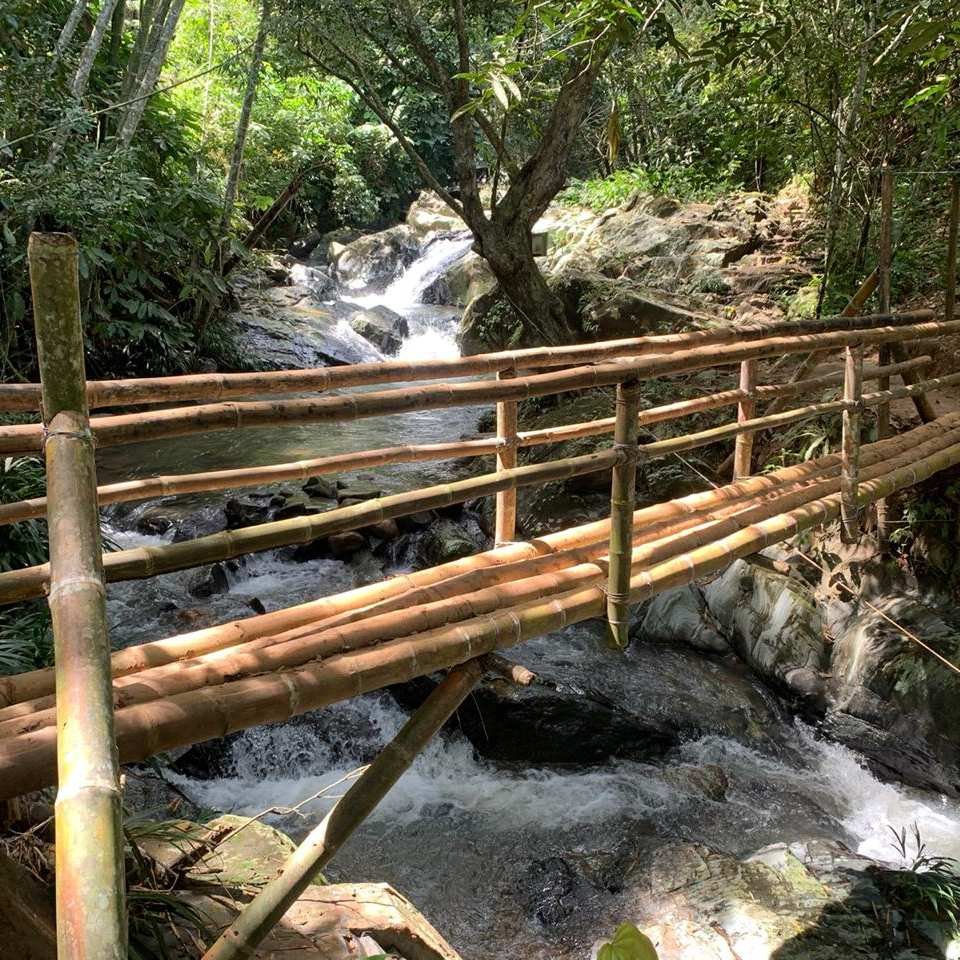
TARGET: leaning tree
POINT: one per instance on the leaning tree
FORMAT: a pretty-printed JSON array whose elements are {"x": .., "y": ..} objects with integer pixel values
[{"x": 514, "y": 82}]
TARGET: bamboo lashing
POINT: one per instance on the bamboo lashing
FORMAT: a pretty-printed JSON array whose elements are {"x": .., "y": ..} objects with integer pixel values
[
  {"x": 622, "y": 496},
  {"x": 190, "y": 717},
  {"x": 90, "y": 880},
  {"x": 506, "y": 502},
  {"x": 132, "y": 428},
  {"x": 222, "y": 386},
  {"x": 178, "y": 484},
  {"x": 746, "y": 410},
  {"x": 850, "y": 442}
]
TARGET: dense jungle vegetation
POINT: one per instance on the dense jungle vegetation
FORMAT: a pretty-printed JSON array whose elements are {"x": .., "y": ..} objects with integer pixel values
[{"x": 160, "y": 131}]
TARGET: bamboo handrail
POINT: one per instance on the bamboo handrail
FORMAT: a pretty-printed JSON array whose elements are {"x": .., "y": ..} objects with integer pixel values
[
  {"x": 132, "y": 428},
  {"x": 207, "y": 386},
  {"x": 149, "y": 488},
  {"x": 25, "y": 762},
  {"x": 850, "y": 443},
  {"x": 142, "y": 562}
]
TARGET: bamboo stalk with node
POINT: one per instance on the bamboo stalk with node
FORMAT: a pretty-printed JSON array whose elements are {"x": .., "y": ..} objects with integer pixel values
[
  {"x": 850, "y": 443},
  {"x": 884, "y": 265},
  {"x": 950, "y": 274},
  {"x": 90, "y": 881},
  {"x": 259, "y": 916},
  {"x": 623, "y": 490},
  {"x": 506, "y": 503},
  {"x": 223, "y": 386},
  {"x": 746, "y": 410}
]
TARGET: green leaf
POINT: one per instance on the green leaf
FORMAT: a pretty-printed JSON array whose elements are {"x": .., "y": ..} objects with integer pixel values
[
  {"x": 628, "y": 944},
  {"x": 499, "y": 91}
]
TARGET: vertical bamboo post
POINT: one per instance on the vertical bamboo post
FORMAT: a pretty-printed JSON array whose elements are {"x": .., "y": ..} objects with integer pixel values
[
  {"x": 622, "y": 496},
  {"x": 746, "y": 409},
  {"x": 256, "y": 920},
  {"x": 91, "y": 922},
  {"x": 850, "y": 449},
  {"x": 884, "y": 263},
  {"x": 950, "y": 299},
  {"x": 506, "y": 522}
]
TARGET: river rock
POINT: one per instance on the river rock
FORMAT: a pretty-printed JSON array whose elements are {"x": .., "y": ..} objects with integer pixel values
[
  {"x": 321, "y": 487},
  {"x": 209, "y": 581},
  {"x": 377, "y": 258},
  {"x": 892, "y": 700},
  {"x": 382, "y": 327},
  {"x": 346, "y": 544},
  {"x": 357, "y": 492},
  {"x": 446, "y": 540},
  {"x": 429, "y": 215},
  {"x": 244, "y": 513},
  {"x": 774, "y": 623},
  {"x": 466, "y": 279},
  {"x": 681, "y": 615}
]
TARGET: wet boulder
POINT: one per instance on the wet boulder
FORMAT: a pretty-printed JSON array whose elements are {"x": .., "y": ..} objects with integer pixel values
[
  {"x": 209, "y": 581},
  {"x": 377, "y": 258},
  {"x": 245, "y": 513},
  {"x": 681, "y": 615},
  {"x": 429, "y": 215},
  {"x": 889, "y": 698},
  {"x": 385, "y": 329},
  {"x": 446, "y": 540},
  {"x": 774, "y": 623},
  {"x": 321, "y": 487}
]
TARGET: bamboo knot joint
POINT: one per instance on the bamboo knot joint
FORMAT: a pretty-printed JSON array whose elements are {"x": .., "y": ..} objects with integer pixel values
[{"x": 72, "y": 585}]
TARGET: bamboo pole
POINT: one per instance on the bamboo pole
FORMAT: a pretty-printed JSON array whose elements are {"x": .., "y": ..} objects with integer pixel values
[
  {"x": 163, "y": 724},
  {"x": 259, "y": 916},
  {"x": 149, "y": 561},
  {"x": 132, "y": 428},
  {"x": 506, "y": 504},
  {"x": 223, "y": 386},
  {"x": 950, "y": 297},
  {"x": 884, "y": 265},
  {"x": 472, "y": 596},
  {"x": 850, "y": 444},
  {"x": 150, "y": 488},
  {"x": 623, "y": 490},
  {"x": 90, "y": 883},
  {"x": 745, "y": 411}
]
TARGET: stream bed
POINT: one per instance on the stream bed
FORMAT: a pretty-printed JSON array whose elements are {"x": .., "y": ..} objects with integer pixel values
[{"x": 507, "y": 859}]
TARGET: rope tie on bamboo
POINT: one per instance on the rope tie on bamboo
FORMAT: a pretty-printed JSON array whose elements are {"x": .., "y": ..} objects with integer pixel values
[{"x": 84, "y": 436}]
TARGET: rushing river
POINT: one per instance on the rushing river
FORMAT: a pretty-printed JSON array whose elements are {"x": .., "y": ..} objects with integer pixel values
[{"x": 472, "y": 843}]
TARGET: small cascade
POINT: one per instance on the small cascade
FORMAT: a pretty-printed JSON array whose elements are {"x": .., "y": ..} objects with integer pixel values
[{"x": 433, "y": 263}]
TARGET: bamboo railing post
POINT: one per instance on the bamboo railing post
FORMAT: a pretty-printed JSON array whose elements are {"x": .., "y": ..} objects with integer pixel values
[
  {"x": 850, "y": 449},
  {"x": 91, "y": 920},
  {"x": 950, "y": 298},
  {"x": 506, "y": 521},
  {"x": 746, "y": 409},
  {"x": 884, "y": 263},
  {"x": 259, "y": 917},
  {"x": 622, "y": 497}
]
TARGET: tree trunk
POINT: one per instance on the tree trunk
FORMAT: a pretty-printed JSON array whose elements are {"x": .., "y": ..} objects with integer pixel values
[
  {"x": 510, "y": 257},
  {"x": 66, "y": 34},
  {"x": 243, "y": 123},
  {"x": 154, "y": 64}
]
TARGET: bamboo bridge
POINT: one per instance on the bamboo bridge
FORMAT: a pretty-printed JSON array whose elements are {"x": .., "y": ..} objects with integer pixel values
[{"x": 71, "y": 724}]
